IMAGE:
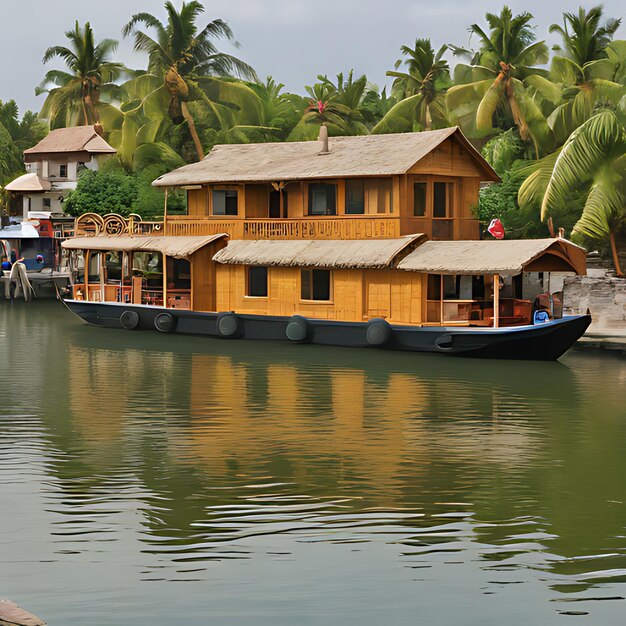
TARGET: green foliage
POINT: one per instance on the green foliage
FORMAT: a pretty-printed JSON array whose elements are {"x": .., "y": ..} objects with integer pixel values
[
  {"x": 503, "y": 150},
  {"x": 102, "y": 192}
]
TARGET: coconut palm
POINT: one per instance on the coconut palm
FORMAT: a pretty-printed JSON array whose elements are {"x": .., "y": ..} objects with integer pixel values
[
  {"x": 584, "y": 38},
  {"x": 74, "y": 95},
  {"x": 502, "y": 80},
  {"x": 184, "y": 59},
  {"x": 593, "y": 159},
  {"x": 421, "y": 90}
]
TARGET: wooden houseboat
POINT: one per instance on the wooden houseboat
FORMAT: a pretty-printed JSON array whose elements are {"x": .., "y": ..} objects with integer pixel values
[{"x": 350, "y": 241}]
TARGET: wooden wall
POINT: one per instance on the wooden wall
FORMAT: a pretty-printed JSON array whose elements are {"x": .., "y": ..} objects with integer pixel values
[
  {"x": 357, "y": 295},
  {"x": 203, "y": 283}
]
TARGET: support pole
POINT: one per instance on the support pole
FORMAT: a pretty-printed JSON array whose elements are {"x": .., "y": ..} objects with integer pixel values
[
  {"x": 441, "y": 299},
  {"x": 165, "y": 213},
  {"x": 86, "y": 271},
  {"x": 496, "y": 300},
  {"x": 101, "y": 258},
  {"x": 165, "y": 281}
]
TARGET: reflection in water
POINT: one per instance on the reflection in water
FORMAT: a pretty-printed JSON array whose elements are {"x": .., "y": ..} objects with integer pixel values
[{"x": 299, "y": 484}]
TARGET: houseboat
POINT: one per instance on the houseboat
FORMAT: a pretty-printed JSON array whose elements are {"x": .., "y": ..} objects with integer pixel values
[{"x": 364, "y": 241}]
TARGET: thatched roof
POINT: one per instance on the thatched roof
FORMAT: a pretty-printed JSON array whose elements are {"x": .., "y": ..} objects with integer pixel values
[
  {"x": 177, "y": 247},
  {"x": 74, "y": 139},
  {"x": 29, "y": 183},
  {"x": 369, "y": 155},
  {"x": 506, "y": 257},
  {"x": 346, "y": 254}
]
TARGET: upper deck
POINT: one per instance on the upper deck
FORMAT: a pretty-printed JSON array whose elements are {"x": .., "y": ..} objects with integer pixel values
[{"x": 380, "y": 186}]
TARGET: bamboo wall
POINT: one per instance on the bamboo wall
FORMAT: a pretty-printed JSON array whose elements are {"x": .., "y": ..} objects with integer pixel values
[
  {"x": 203, "y": 282},
  {"x": 357, "y": 295}
]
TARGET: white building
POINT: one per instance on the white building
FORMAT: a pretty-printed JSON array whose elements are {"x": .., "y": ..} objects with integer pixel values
[{"x": 53, "y": 166}]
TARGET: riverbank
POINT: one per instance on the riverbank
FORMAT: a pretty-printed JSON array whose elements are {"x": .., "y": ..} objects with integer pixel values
[{"x": 614, "y": 340}]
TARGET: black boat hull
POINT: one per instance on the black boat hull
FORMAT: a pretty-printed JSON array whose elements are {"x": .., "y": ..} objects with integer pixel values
[{"x": 543, "y": 342}]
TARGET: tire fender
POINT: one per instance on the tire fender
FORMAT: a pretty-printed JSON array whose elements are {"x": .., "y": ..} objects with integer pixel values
[
  {"x": 165, "y": 322},
  {"x": 378, "y": 332},
  {"x": 229, "y": 325},
  {"x": 298, "y": 329},
  {"x": 129, "y": 320}
]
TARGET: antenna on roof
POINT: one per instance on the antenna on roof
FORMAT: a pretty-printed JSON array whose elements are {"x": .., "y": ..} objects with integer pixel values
[{"x": 324, "y": 139}]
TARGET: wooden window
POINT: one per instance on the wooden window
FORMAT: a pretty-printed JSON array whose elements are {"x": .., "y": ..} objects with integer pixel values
[
  {"x": 63, "y": 170},
  {"x": 113, "y": 266},
  {"x": 442, "y": 200},
  {"x": 355, "y": 196},
  {"x": 225, "y": 202},
  {"x": 315, "y": 285},
  {"x": 257, "y": 282},
  {"x": 419, "y": 199},
  {"x": 322, "y": 199}
]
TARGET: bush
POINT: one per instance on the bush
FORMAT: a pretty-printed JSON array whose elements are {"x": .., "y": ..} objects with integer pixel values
[
  {"x": 110, "y": 190},
  {"x": 102, "y": 192}
]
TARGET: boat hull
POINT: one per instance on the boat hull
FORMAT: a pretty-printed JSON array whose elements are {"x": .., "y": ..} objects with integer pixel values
[{"x": 544, "y": 342}]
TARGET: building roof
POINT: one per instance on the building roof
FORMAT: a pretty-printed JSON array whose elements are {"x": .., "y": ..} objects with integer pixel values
[
  {"x": 326, "y": 253},
  {"x": 505, "y": 257},
  {"x": 368, "y": 155},
  {"x": 28, "y": 183},
  {"x": 74, "y": 139},
  {"x": 177, "y": 247}
]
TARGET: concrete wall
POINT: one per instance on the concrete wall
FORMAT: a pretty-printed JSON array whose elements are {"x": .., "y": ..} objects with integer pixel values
[{"x": 603, "y": 294}]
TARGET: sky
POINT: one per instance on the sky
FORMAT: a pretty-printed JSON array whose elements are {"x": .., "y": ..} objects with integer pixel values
[{"x": 292, "y": 40}]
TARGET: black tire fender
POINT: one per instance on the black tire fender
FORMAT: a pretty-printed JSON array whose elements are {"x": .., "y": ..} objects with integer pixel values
[
  {"x": 165, "y": 322},
  {"x": 298, "y": 329},
  {"x": 229, "y": 325},
  {"x": 378, "y": 332},
  {"x": 129, "y": 320}
]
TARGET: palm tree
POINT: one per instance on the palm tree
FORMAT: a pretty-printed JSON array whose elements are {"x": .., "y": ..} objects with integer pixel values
[
  {"x": 184, "y": 58},
  {"x": 501, "y": 78},
  {"x": 421, "y": 89},
  {"x": 75, "y": 96},
  {"x": 594, "y": 159},
  {"x": 584, "y": 37}
]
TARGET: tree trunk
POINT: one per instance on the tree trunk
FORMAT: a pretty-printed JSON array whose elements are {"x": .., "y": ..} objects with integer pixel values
[
  {"x": 618, "y": 269},
  {"x": 192, "y": 129}
]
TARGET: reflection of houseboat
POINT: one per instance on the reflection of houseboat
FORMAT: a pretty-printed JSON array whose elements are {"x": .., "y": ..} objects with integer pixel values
[{"x": 359, "y": 241}]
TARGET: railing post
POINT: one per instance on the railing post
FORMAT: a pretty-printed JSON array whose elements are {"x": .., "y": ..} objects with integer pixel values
[{"x": 496, "y": 300}]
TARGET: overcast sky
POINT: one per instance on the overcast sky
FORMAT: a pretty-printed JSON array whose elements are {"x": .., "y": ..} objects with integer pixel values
[{"x": 293, "y": 40}]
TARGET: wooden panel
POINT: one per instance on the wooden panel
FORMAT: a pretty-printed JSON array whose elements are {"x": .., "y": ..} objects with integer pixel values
[
  {"x": 257, "y": 200},
  {"x": 197, "y": 202},
  {"x": 203, "y": 275},
  {"x": 448, "y": 159},
  {"x": 378, "y": 299}
]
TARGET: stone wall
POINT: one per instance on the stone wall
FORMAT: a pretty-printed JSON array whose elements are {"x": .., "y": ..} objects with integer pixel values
[{"x": 601, "y": 293}]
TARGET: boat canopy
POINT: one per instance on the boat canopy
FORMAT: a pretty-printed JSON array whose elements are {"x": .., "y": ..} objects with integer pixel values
[
  {"x": 326, "y": 253},
  {"x": 19, "y": 231},
  {"x": 177, "y": 247},
  {"x": 504, "y": 257}
]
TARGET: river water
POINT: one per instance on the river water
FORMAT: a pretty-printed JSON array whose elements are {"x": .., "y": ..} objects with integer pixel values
[{"x": 152, "y": 479}]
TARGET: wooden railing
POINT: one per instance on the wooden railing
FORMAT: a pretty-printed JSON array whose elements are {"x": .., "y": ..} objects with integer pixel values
[
  {"x": 347, "y": 227},
  {"x": 92, "y": 224}
]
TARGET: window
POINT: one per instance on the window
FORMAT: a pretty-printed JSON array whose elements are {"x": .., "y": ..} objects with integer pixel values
[
  {"x": 46, "y": 203},
  {"x": 257, "y": 282},
  {"x": 315, "y": 285},
  {"x": 355, "y": 196},
  {"x": 419, "y": 199},
  {"x": 322, "y": 199},
  {"x": 441, "y": 200},
  {"x": 225, "y": 202},
  {"x": 63, "y": 170}
]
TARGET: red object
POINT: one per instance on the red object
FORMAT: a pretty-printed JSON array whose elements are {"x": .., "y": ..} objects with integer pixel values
[{"x": 496, "y": 229}]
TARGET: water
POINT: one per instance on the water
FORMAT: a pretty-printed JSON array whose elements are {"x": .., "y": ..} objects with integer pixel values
[{"x": 152, "y": 479}]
